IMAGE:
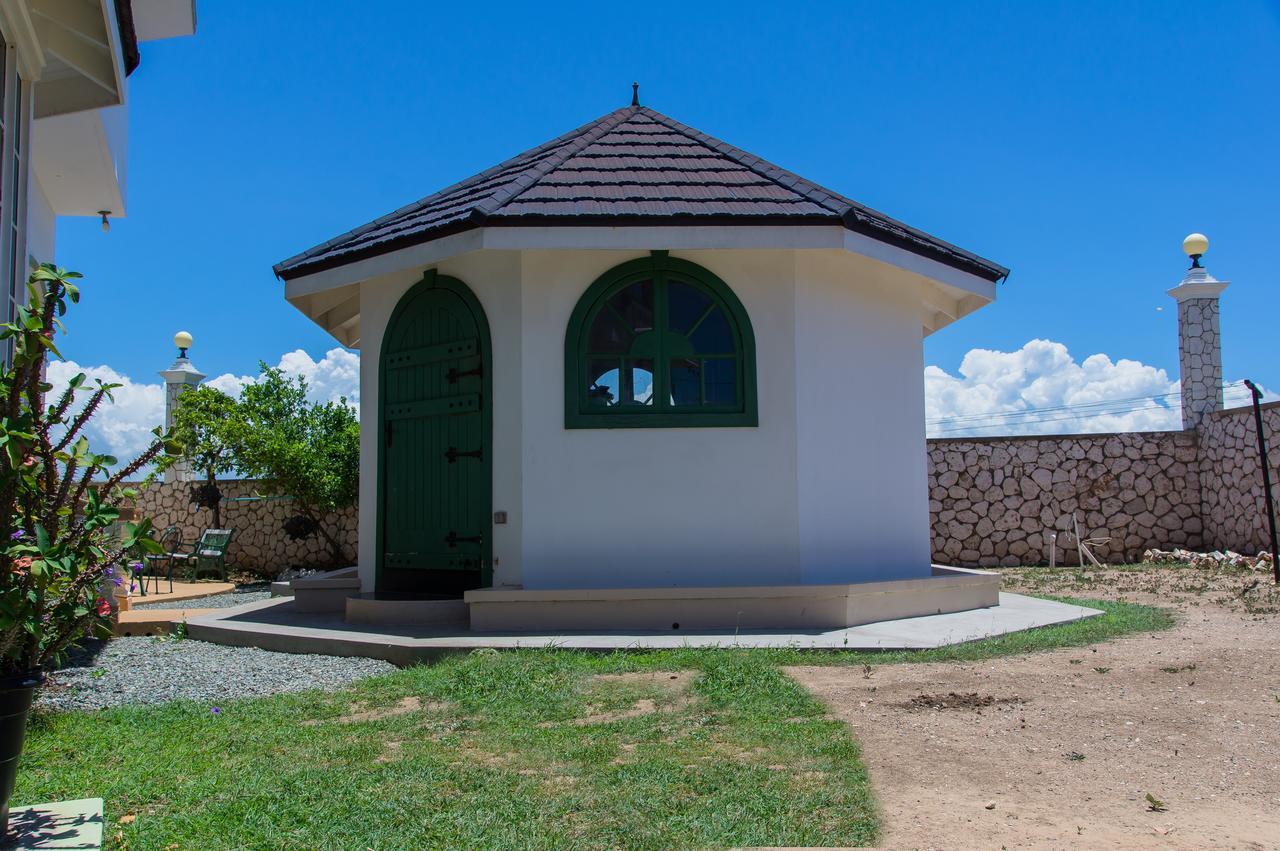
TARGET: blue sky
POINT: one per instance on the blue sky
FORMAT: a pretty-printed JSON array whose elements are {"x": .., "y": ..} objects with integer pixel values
[{"x": 1075, "y": 143}]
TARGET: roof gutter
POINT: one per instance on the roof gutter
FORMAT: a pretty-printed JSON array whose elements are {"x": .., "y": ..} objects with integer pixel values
[{"x": 128, "y": 36}]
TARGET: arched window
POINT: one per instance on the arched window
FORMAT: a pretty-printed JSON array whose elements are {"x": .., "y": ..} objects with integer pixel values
[{"x": 659, "y": 343}]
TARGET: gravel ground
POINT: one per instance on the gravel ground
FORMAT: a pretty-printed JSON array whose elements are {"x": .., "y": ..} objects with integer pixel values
[
  {"x": 240, "y": 596},
  {"x": 147, "y": 669}
]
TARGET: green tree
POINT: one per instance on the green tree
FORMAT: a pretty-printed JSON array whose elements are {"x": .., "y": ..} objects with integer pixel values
[
  {"x": 310, "y": 451},
  {"x": 206, "y": 425}
]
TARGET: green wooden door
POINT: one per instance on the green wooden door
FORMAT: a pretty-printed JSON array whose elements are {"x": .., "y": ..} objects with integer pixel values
[{"x": 434, "y": 512}]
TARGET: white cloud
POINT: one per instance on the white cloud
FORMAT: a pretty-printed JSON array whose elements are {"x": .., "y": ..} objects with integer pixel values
[
  {"x": 123, "y": 428},
  {"x": 1041, "y": 389},
  {"x": 335, "y": 376}
]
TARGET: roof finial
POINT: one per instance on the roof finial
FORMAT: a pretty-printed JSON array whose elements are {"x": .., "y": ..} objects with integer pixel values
[{"x": 635, "y": 94}]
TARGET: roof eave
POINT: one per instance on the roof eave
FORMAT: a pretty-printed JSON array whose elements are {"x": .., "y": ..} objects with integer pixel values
[{"x": 948, "y": 255}]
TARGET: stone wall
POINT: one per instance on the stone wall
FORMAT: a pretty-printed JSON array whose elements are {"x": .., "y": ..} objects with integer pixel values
[
  {"x": 994, "y": 501},
  {"x": 1230, "y": 481},
  {"x": 260, "y": 544}
]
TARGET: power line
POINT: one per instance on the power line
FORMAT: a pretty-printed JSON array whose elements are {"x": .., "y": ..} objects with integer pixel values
[
  {"x": 1098, "y": 408},
  {"x": 972, "y": 428},
  {"x": 1021, "y": 412},
  {"x": 1066, "y": 417},
  {"x": 1072, "y": 406}
]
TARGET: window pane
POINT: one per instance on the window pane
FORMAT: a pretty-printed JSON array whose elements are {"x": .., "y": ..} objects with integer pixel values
[
  {"x": 686, "y": 382},
  {"x": 721, "y": 382},
  {"x": 602, "y": 382},
  {"x": 637, "y": 382},
  {"x": 608, "y": 334},
  {"x": 712, "y": 336},
  {"x": 635, "y": 305},
  {"x": 685, "y": 305}
]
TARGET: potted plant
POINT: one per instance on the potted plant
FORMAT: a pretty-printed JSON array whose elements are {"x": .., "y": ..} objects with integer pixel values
[{"x": 60, "y": 540}]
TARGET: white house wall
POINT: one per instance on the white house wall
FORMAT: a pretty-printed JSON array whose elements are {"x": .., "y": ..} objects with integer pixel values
[
  {"x": 658, "y": 507},
  {"x": 829, "y": 488},
  {"x": 863, "y": 504}
]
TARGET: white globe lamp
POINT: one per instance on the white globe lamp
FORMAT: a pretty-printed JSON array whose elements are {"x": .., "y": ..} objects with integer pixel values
[{"x": 1194, "y": 246}]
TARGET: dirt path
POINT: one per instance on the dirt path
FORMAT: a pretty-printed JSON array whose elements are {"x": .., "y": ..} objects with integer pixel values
[{"x": 1074, "y": 740}]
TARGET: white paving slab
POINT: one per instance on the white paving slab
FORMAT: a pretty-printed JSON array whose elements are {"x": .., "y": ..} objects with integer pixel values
[
  {"x": 276, "y": 625},
  {"x": 60, "y": 825}
]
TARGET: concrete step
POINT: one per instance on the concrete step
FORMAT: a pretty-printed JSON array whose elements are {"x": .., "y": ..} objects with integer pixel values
[{"x": 406, "y": 610}]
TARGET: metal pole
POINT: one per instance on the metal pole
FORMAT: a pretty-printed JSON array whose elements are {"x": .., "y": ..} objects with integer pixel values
[{"x": 1266, "y": 476}]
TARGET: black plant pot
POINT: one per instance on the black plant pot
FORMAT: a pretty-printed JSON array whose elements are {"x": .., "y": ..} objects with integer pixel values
[{"x": 16, "y": 692}]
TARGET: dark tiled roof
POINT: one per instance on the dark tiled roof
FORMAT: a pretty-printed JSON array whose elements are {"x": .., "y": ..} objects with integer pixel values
[{"x": 634, "y": 166}]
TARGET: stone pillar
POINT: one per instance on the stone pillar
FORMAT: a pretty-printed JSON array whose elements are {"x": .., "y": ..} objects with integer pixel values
[
  {"x": 1199, "y": 340},
  {"x": 180, "y": 376}
]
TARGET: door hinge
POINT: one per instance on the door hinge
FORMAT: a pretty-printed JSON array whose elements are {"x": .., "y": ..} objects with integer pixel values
[
  {"x": 452, "y": 454},
  {"x": 453, "y": 375},
  {"x": 452, "y": 539}
]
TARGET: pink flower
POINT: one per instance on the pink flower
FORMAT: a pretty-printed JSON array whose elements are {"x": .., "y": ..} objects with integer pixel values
[{"x": 104, "y": 608}]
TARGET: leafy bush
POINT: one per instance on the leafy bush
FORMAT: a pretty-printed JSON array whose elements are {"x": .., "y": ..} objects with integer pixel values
[{"x": 60, "y": 546}]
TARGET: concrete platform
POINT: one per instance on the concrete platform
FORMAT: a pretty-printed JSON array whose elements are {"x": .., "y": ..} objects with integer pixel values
[
  {"x": 277, "y": 625},
  {"x": 181, "y": 591},
  {"x": 154, "y": 621},
  {"x": 734, "y": 607},
  {"x": 65, "y": 824}
]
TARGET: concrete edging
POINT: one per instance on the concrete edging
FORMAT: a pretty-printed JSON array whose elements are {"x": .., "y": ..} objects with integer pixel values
[{"x": 276, "y": 625}]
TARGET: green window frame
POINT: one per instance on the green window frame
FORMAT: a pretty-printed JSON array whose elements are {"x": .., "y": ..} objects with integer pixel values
[{"x": 659, "y": 342}]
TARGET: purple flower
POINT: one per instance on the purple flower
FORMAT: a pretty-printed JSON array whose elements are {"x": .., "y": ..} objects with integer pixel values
[
  {"x": 137, "y": 567},
  {"x": 118, "y": 581},
  {"x": 16, "y": 535},
  {"x": 133, "y": 586},
  {"x": 215, "y": 710},
  {"x": 110, "y": 572}
]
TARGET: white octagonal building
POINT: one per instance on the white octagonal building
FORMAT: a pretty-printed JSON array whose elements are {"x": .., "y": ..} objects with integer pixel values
[{"x": 638, "y": 378}]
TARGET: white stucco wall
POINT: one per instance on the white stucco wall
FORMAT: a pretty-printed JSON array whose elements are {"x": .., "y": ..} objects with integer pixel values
[
  {"x": 863, "y": 502},
  {"x": 830, "y": 487},
  {"x": 655, "y": 507}
]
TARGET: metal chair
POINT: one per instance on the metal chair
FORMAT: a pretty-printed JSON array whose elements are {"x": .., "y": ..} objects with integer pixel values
[
  {"x": 170, "y": 541},
  {"x": 209, "y": 554}
]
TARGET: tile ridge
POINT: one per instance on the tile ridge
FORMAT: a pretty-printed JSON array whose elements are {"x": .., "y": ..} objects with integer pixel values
[
  {"x": 530, "y": 178},
  {"x": 438, "y": 195},
  {"x": 851, "y": 212},
  {"x": 787, "y": 180}
]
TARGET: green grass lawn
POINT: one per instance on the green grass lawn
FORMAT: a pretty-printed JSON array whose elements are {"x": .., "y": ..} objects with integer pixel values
[{"x": 521, "y": 749}]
